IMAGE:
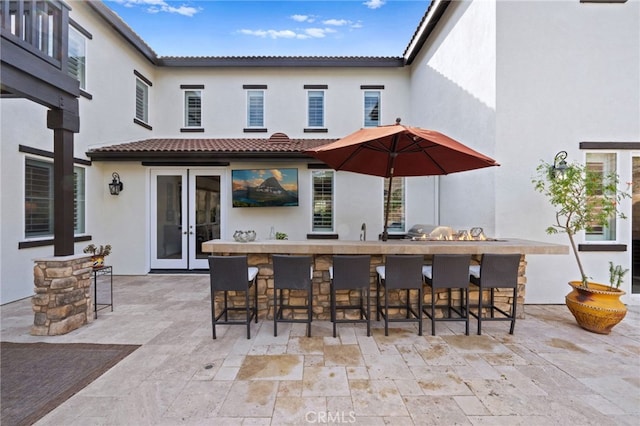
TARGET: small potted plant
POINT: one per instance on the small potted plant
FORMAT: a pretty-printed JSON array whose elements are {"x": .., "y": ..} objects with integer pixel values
[
  {"x": 98, "y": 253},
  {"x": 584, "y": 199},
  {"x": 616, "y": 275}
]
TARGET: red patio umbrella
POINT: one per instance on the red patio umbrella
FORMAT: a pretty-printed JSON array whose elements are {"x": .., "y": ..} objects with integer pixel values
[{"x": 398, "y": 150}]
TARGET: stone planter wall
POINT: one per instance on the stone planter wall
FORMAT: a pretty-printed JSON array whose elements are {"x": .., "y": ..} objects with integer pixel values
[
  {"x": 321, "y": 290},
  {"x": 63, "y": 300}
]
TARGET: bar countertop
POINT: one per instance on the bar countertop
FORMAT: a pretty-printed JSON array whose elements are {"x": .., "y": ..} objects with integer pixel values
[{"x": 502, "y": 245}]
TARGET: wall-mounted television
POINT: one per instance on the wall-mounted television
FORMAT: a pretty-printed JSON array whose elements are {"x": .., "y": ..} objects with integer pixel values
[{"x": 264, "y": 187}]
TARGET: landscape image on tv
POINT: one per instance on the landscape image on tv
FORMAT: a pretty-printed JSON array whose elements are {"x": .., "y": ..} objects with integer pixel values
[{"x": 264, "y": 187}]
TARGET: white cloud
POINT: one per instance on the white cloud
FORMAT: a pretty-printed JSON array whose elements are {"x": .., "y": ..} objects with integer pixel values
[
  {"x": 374, "y": 4},
  {"x": 336, "y": 22},
  {"x": 157, "y": 6},
  {"x": 303, "y": 18},
  {"x": 274, "y": 34},
  {"x": 316, "y": 32}
]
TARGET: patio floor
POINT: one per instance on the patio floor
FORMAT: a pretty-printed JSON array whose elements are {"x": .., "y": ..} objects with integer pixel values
[{"x": 549, "y": 372}]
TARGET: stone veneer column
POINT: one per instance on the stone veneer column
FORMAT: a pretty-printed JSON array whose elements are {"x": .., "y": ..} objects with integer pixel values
[{"x": 63, "y": 300}]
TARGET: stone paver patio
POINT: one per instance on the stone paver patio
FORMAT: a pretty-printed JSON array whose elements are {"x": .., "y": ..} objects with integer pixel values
[{"x": 549, "y": 372}]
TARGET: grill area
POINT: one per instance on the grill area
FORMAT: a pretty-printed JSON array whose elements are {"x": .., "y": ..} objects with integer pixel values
[{"x": 422, "y": 232}]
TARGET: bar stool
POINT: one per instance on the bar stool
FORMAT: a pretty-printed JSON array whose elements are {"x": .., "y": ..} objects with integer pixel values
[
  {"x": 291, "y": 273},
  {"x": 351, "y": 273},
  {"x": 400, "y": 272},
  {"x": 231, "y": 273},
  {"x": 448, "y": 271},
  {"x": 496, "y": 271}
]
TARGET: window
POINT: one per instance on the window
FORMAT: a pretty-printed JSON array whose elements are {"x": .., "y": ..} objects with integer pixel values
[
  {"x": 602, "y": 164},
  {"x": 396, "y": 204},
  {"x": 38, "y": 203},
  {"x": 316, "y": 108},
  {"x": 322, "y": 200},
  {"x": 142, "y": 101},
  {"x": 76, "y": 67},
  {"x": 371, "y": 109},
  {"x": 255, "y": 108},
  {"x": 193, "y": 108}
]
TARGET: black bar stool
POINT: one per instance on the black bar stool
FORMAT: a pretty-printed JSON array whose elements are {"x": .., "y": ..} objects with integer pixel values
[
  {"x": 494, "y": 272},
  {"x": 231, "y": 273},
  {"x": 351, "y": 273},
  {"x": 291, "y": 273},
  {"x": 400, "y": 272},
  {"x": 448, "y": 271}
]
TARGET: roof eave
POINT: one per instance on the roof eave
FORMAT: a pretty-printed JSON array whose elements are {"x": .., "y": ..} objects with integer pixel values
[
  {"x": 204, "y": 156},
  {"x": 281, "y": 61},
  {"x": 124, "y": 30},
  {"x": 432, "y": 17}
]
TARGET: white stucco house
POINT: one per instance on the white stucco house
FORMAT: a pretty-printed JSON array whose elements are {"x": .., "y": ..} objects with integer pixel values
[{"x": 518, "y": 81}]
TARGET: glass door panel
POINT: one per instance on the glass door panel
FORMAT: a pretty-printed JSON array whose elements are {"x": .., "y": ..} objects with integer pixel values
[
  {"x": 169, "y": 234},
  {"x": 204, "y": 214},
  {"x": 635, "y": 227}
]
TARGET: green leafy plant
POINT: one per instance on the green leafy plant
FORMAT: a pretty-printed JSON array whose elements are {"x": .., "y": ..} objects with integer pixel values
[
  {"x": 281, "y": 236},
  {"x": 98, "y": 251},
  {"x": 616, "y": 275},
  {"x": 583, "y": 199}
]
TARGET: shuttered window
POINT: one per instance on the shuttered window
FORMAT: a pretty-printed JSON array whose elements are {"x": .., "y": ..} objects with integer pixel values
[
  {"x": 193, "y": 108},
  {"x": 397, "y": 204},
  {"x": 38, "y": 203},
  {"x": 371, "y": 109},
  {"x": 255, "y": 108},
  {"x": 322, "y": 200},
  {"x": 602, "y": 164},
  {"x": 76, "y": 66},
  {"x": 316, "y": 108},
  {"x": 142, "y": 101}
]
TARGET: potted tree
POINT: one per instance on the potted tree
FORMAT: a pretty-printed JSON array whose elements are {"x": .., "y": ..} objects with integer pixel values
[
  {"x": 98, "y": 254},
  {"x": 584, "y": 199}
]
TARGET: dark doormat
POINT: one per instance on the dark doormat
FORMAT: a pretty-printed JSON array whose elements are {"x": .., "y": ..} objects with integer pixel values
[{"x": 37, "y": 377}]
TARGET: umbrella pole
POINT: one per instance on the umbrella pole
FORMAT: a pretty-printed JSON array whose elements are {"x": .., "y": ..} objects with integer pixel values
[{"x": 385, "y": 233}]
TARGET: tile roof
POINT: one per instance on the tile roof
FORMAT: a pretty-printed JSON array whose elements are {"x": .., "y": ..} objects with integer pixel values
[{"x": 278, "y": 143}]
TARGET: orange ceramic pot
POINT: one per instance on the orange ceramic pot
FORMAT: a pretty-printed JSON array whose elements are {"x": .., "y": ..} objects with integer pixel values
[
  {"x": 596, "y": 308},
  {"x": 98, "y": 261}
]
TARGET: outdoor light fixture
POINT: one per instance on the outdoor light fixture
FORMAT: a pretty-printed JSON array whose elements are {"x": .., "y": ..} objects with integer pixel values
[
  {"x": 115, "y": 187},
  {"x": 559, "y": 164}
]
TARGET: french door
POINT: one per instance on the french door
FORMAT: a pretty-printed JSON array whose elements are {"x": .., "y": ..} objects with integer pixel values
[{"x": 185, "y": 212}]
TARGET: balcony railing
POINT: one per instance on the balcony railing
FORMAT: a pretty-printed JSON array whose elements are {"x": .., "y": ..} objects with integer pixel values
[{"x": 37, "y": 26}]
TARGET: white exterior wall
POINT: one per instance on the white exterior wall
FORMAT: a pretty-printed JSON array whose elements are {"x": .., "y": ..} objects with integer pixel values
[
  {"x": 105, "y": 119},
  {"x": 567, "y": 72},
  {"x": 520, "y": 81},
  {"x": 224, "y": 101},
  {"x": 453, "y": 92},
  {"x": 517, "y": 81}
]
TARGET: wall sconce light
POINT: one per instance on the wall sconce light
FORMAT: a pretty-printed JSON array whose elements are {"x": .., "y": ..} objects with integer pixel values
[
  {"x": 559, "y": 164},
  {"x": 115, "y": 187}
]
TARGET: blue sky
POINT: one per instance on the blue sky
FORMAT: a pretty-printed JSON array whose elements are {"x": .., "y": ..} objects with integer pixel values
[{"x": 273, "y": 28}]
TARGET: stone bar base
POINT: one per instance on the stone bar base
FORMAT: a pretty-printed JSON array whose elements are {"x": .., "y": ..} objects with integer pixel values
[
  {"x": 63, "y": 300},
  {"x": 321, "y": 291}
]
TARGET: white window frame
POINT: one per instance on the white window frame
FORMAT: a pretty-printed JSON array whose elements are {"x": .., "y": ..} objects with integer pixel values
[
  {"x": 314, "y": 201},
  {"x": 188, "y": 111},
  {"x": 80, "y": 205},
  {"x": 145, "y": 101},
  {"x": 397, "y": 181},
  {"x": 365, "y": 123},
  {"x": 250, "y": 94},
  {"x": 607, "y": 233},
  {"x": 311, "y": 94},
  {"x": 76, "y": 36}
]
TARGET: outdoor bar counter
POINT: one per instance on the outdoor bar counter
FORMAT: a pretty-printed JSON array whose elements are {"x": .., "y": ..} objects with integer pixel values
[{"x": 259, "y": 255}]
